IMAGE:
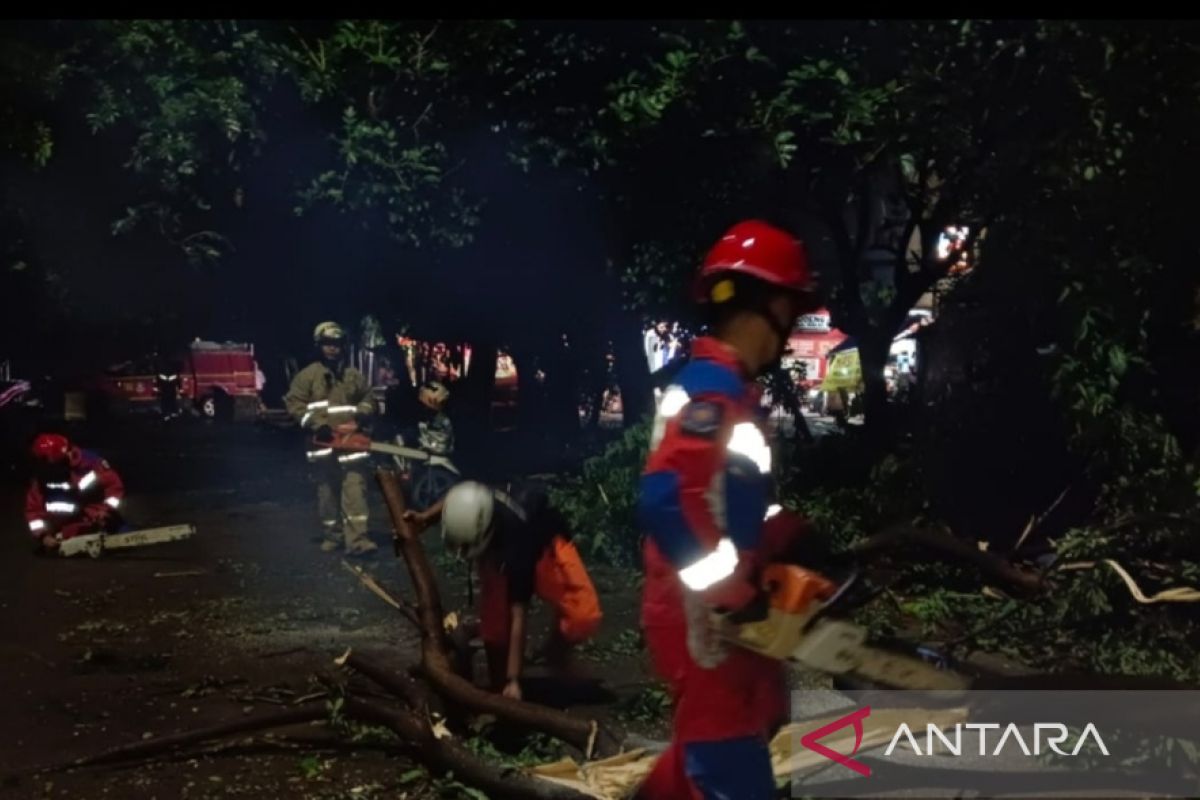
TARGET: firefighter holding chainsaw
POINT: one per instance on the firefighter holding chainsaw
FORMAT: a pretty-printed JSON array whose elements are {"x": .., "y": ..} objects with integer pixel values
[
  {"x": 710, "y": 531},
  {"x": 73, "y": 492},
  {"x": 329, "y": 397}
]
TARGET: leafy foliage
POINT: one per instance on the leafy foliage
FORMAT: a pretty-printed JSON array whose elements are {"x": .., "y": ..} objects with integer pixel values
[{"x": 601, "y": 502}]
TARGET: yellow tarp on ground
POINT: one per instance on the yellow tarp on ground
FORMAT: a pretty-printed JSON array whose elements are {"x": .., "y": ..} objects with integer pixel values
[
  {"x": 844, "y": 372},
  {"x": 618, "y": 777}
]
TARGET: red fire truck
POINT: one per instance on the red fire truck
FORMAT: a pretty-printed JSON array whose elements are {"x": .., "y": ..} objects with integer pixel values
[{"x": 220, "y": 379}]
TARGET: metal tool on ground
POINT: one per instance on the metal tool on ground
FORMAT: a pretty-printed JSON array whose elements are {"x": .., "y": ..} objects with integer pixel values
[
  {"x": 93, "y": 544},
  {"x": 797, "y": 626}
]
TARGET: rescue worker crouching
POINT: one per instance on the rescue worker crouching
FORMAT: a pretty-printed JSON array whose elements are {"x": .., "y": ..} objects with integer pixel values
[
  {"x": 73, "y": 492},
  {"x": 704, "y": 506},
  {"x": 328, "y": 397},
  {"x": 521, "y": 546}
]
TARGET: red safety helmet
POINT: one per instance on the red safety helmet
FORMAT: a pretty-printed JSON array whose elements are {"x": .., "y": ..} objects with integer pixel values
[
  {"x": 760, "y": 251},
  {"x": 51, "y": 448}
]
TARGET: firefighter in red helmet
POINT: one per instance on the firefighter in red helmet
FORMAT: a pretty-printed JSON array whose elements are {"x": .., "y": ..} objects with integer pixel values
[
  {"x": 72, "y": 492},
  {"x": 704, "y": 507}
]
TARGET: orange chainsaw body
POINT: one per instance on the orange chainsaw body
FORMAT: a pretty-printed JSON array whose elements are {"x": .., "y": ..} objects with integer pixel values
[{"x": 794, "y": 594}]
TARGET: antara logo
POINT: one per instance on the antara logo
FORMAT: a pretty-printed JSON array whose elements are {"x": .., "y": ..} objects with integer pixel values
[
  {"x": 955, "y": 747},
  {"x": 1045, "y": 735}
]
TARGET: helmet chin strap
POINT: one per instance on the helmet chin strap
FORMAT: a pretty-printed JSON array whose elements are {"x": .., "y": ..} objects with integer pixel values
[{"x": 782, "y": 332}]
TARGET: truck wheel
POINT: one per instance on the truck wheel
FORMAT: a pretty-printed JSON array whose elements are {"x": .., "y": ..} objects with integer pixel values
[{"x": 218, "y": 406}]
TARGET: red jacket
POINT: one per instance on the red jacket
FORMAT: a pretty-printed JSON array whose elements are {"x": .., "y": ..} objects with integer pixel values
[
  {"x": 704, "y": 492},
  {"x": 92, "y": 492},
  {"x": 703, "y": 506}
]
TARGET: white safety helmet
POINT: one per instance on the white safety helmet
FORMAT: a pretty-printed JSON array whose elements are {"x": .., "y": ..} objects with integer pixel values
[{"x": 467, "y": 513}]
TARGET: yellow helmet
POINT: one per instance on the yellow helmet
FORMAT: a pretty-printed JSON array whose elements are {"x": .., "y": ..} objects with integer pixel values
[{"x": 328, "y": 331}]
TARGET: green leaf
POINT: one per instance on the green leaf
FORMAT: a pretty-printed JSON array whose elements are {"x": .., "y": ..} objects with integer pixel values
[
  {"x": 1117, "y": 360},
  {"x": 756, "y": 56},
  {"x": 410, "y": 776}
]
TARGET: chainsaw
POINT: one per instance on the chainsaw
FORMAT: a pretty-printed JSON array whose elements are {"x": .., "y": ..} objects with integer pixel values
[
  {"x": 797, "y": 627},
  {"x": 93, "y": 544},
  {"x": 361, "y": 443},
  {"x": 429, "y": 487}
]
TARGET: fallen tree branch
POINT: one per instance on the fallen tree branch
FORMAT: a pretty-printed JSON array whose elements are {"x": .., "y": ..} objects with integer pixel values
[
  {"x": 952, "y": 549},
  {"x": 1035, "y": 522},
  {"x": 1176, "y": 594},
  {"x": 429, "y": 603},
  {"x": 371, "y": 584},
  {"x": 165, "y": 744},
  {"x": 396, "y": 683},
  {"x": 309, "y": 697},
  {"x": 447, "y": 754},
  {"x": 415, "y": 737},
  {"x": 285, "y": 652},
  {"x": 587, "y": 735},
  {"x": 1150, "y": 516}
]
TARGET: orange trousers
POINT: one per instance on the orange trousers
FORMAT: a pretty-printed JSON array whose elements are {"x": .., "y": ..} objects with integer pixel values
[{"x": 560, "y": 580}]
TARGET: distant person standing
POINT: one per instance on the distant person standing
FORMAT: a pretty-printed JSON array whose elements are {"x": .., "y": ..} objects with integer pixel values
[
  {"x": 674, "y": 343},
  {"x": 663, "y": 345},
  {"x": 650, "y": 341},
  {"x": 167, "y": 386},
  {"x": 330, "y": 397}
]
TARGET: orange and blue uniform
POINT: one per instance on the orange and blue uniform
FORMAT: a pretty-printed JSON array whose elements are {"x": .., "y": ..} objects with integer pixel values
[{"x": 704, "y": 500}]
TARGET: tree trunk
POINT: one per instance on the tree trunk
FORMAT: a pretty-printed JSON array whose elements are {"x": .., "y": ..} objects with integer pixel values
[
  {"x": 474, "y": 405},
  {"x": 633, "y": 373},
  {"x": 873, "y": 347},
  {"x": 530, "y": 412},
  {"x": 591, "y": 351},
  {"x": 781, "y": 382},
  {"x": 596, "y": 408},
  {"x": 562, "y": 389}
]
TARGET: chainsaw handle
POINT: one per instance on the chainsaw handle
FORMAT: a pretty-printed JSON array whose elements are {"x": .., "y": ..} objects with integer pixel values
[
  {"x": 356, "y": 441},
  {"x": 841, "y": 590},
  {"x": 836, "y": 601},
  {"x": 839, "y": 605},
  {"x": 755, "y": 611}
]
